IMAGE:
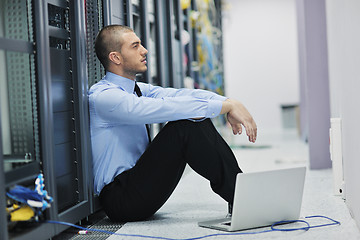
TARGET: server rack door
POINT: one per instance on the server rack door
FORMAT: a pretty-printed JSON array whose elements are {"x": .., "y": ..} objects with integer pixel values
[{"x": 63, "y": 77}]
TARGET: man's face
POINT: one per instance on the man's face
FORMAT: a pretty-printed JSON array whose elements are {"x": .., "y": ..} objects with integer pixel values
[{"x": 133, "y": 54}]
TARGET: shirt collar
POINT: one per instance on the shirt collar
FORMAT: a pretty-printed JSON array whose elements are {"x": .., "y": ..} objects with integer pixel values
[{"x": 125, "y": 83}]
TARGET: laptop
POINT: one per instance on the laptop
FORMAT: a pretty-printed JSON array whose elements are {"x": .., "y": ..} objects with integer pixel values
[{"x": 262, "y": 199}]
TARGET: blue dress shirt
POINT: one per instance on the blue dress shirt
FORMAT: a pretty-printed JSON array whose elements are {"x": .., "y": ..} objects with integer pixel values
[{"x": 118, "y": 118}]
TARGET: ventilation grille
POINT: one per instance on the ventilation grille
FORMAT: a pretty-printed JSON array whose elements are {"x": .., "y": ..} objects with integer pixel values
[
  {"x": 94, "y": 22},
  {"x": 105, "y": 225},
  {"x": 21, "y": 78}
]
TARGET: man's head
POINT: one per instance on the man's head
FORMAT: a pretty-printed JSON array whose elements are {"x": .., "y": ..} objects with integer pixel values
[{"x": 120, "y": 51}]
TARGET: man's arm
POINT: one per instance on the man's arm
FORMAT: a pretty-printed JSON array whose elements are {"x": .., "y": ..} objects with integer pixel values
[
  {"x": 116, "y": 106},
  {"x": 238, "y": 115},
  {"x": 149, "y": 90}
]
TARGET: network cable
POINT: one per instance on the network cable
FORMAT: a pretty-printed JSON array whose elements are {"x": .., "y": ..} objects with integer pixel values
[{"x": 274, "y": 228}]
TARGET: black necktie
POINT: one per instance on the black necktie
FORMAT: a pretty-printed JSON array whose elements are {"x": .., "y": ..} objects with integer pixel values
[{"x": 139, "y": 94}]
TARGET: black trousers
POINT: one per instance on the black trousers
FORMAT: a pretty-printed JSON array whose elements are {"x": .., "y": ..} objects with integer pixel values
[{"x": 139, "y": 192}]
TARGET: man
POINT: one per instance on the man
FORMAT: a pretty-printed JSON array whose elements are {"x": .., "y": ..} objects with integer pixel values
[{"x": 133, "y": 176}]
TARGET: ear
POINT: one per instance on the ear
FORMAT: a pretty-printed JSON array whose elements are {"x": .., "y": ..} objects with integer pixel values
[{"x": 115, "y": 57}]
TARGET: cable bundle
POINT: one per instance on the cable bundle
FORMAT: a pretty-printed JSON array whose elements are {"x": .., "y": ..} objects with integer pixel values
[{"x": 27, "y": 203}]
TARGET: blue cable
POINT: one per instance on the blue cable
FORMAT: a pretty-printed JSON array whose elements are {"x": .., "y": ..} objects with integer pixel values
[
  {"x": 334, "y": 222},
  {"x": 273, "y": 229}
]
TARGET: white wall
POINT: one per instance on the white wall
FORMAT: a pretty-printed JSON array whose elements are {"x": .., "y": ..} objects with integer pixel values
[
  {"x": 261, "y": 57},
  {"x": 343, "y": 18}
]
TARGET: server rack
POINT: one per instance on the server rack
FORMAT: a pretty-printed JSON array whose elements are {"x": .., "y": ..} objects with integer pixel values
[
  {"x": 20, "y": 159},
  {"x": 175, "y": 49},
  {"x": 63, "y": 65},
  {"x": 58, "y": 102}
]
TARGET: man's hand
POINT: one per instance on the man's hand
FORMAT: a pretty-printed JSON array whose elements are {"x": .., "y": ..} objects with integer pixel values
[{"x": 238, "y": 116}]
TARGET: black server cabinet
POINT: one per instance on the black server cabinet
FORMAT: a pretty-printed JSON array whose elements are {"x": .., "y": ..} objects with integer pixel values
[
  {"x": 18, "y": 91},
  {"x": 96, "y": 17},
  {"x": 20, "y": 155},
  {"x": 63, "y": 75},
  {"x": 49, "y": 91}
]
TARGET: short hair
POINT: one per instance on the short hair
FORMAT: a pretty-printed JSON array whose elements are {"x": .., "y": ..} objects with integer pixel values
[{"x": 109, "y": 40}]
